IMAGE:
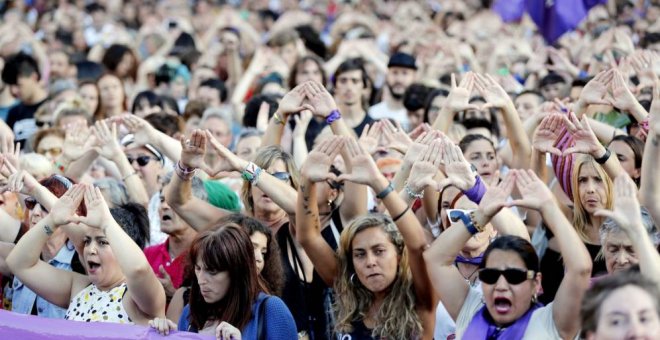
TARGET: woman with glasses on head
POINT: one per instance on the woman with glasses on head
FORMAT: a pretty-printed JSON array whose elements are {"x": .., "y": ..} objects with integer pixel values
[{"x": 506, "y": 305}]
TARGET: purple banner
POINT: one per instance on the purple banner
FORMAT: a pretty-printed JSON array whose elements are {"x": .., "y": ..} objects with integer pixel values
[
  {"x": 27, "y": 327},
  {"x": 556, "y": 17},
  {"x": 509, "y": 10}
]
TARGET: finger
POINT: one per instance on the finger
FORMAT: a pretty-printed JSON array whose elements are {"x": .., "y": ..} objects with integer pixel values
[
  {"x": 453, "y": 81},
  {"x": 523, "y": 178},
  {"x": 607, "y": 214},
  {"x": 571, "y": 150}
]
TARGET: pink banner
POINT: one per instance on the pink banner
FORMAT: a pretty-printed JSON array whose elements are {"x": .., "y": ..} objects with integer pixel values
[{"x": 27, "y": 327}]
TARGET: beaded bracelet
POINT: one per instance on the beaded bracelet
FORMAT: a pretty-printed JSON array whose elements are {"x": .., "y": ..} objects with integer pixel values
[
  {"x": 183, "y": 173},
  {"x": 412, "y": 194}
]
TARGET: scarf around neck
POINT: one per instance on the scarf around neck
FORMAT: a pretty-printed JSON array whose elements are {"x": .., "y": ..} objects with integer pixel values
[{"x": 483, "y": 327}]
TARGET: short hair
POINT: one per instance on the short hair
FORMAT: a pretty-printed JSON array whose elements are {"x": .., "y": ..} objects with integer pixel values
[
  {"x": 166, "y": 123},
  {"x": 515, "y": 244},
  {"x": 590, "y": 311},
  {"x": 36, "y": 165},
  {"x": 217, "y": 84},
  {"x": 194, "y": 108},
  {"x": 19, "y": 66},
  {"x": 116, "y": 190},
  {"x": 151, "y": 97},
  {"x": 88, "y": 71},
  {"x": 551, "y": 78},
  {"x": 252, "y": 109},
  {"x": 198, "y": 190},
  {"x": 219, "y": 113},
  {"x": 650, "y": 38},
  {"x": 353, "y": 64},
  {"x": 538, "y": 95},
  {"x": 414, "y": 98},
  {"x": 610, "y": 226},
  {"x": 134, "y": 220},
  {"x": 283, "y": 38},
  {"x": 43, "y": 133}
]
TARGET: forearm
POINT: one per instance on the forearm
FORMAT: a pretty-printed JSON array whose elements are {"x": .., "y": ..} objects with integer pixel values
[
  {"x": 604, "y": 132},
  {"x": 649, "y": 259},
  {"x": 538, "y": 165},
  {"x": 169, "y": 146},
  {"x": 134, "y": 187},
  {"x": 638, "y": 112},
  {"x": 243, "y": 85},
  {"x": 649, "y": 192},
  {"x": 129, "y": 256},
  {"x": 27, "y": 251},
  {"x": 340, "y": 128},
  {"x": 355, "y": 201},
  {"x": 234, "y": 69},
  {"x": 5, "y": 250},
  {"x": 299, "y": 150},
  {"x": 612, "y": 166},
  {"x": 408, "y": 225},
  {"x": 274, "y": 131},
  {"x": 77, "y": 168},
  {"x": 520, "y": 145},
  {"x": 280, "y": 192},
  {"x": 444, "y": 120},
  {"x": 506, "y": 222},
  {"x": 402, "y": 175}
]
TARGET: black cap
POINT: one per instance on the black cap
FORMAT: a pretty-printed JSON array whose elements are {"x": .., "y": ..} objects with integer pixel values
[{"x": 404, "y": 60}]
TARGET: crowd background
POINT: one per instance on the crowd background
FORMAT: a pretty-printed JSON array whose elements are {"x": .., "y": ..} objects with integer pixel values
[{"x": 362, "y": 169}]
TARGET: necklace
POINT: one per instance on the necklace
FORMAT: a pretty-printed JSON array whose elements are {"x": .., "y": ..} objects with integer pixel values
[{"x": 468, "y": 278}]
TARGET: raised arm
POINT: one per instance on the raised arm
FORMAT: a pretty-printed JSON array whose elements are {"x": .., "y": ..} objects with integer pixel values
[
  {"x": 577, "y": 262},
  {"x": 649, "y": 190},
  {"x": 144, "y": 133},
  {"x": 366, "y": 172},
  {"x": 178, "y": 193},
  {"x": 308, "y": 227},
  {"x": 53, "y": 284},
  {"x": 144, "y": 289},
  {"x": 458, "y": 100},
  {"x": 292, "y": 102},
  {"x": 626, "y": 215},
  {"x": 624, "y": 100}
]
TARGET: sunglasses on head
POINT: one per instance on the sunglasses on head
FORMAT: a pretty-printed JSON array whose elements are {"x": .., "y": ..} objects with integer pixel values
[
  {"x": 141, "y": 160},
  {"x": 513, "y": 276},
  {"x": 282, "y": 176},
  {"x": 454, "y": 215},
  {"x": 30, "y": 203}
]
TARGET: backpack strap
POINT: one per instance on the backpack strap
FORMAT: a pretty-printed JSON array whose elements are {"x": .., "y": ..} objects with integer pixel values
[{"x": 261, "y": 317}]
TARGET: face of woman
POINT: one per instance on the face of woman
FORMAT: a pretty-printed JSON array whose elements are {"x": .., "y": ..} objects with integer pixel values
[
  {"x": 309, "y": 70},
  {"x": 246, "y": 148},
  {"x": 507, "y": 302},
  {"x": 100, "y": 262},
  {"x": 51, "y": 147},
  {"x": 436, "y": 106},
  {"x": 125, "y": 65},
  {"x": 212, "y": 285},
  {"x": 619, "y": 252},
  {"x": 375, "y": 259},
  {"x": 260, "y": 244},
  {"x": 481, "y": 154},
  {"x": 36, "y": 214},
  {"x": 628, "y": 313},
  {"x": 260, "y": 200},
  {"x": 626, "y": 157},
  {"x": 591, "y": 188},
  {"x": 111, "y": 91},
  {"x": 90, "y": 96}
]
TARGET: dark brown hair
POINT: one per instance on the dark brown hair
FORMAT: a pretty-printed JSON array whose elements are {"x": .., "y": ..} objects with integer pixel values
[{"x": 227, "y": 248}]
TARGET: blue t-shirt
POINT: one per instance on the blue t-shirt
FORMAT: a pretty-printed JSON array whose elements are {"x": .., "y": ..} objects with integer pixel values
[{"x": 279, "y": 323}]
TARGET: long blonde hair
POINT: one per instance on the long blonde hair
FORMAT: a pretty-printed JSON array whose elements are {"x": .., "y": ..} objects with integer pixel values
[
  {"x": 581, "y": 217},
  {"x": 397, "y": 318}
]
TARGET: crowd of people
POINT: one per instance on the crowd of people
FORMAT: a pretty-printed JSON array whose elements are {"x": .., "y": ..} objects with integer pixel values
[{"x": 348, "y": 170}]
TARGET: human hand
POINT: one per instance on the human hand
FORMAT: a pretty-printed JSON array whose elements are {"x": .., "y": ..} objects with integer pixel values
[
  {"x": 419, "y": 130},
  {"x": 547, "y": 133},
  {"x": 98, "y": 213},
  {"x": 166, "y": 281},
  {"x": 163, "y": 326},
  {"x": 622, "y": 98},
  {"x": 77, "y": 141},
  {"x": 535, "y": 194},
  {"x": 420, "y": 145},
  {"x": 107, "y": 144},
  {"x": 302, "y": 121},
  {"x": 320, "y": 99},
  {"x": 459, "y": 96},
  {"x": 193, "y": 150},
  {"x": 495, "y": 197},
  {"x": 370, "y": 137},
  {"x": 21, "y": 181},
  {"x": 395, "y": 137},
  {"x": 458, "y": 170},
  {"x": 584, "y": 139},
  {"x": 292, "y": 101},
  {"x": 225, "y": 331},
  {"x": 491, "y": 91},
  {"x": 228, "y": 160},
  {"x": 317, "y": 165},
  {"x": 64, "y": 209},
  {"x": 364, "y": 169},
  {"x": 143, "y": 132},
  {"x": 425, "y": 169},
  {"x": 626, "y": 209},
  {"x": 595, "y": 90},
  {"x": 10, "y": 150},
  {"x": 561, "y": 63}
]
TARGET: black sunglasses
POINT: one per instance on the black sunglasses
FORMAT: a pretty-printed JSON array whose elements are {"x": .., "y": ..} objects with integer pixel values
[
  {"x": 30, "y": 203},
  {"x": 512, "y": 276},
  {"x": 282, "y": 176},
  {"x": 141, "y": 160}
]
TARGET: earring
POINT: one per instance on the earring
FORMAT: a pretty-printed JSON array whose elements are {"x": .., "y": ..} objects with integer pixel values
[
  {"x": 535, "y": 298},
  {"x": 329, "y": 203},
  {"x": 352, "y": 279}
]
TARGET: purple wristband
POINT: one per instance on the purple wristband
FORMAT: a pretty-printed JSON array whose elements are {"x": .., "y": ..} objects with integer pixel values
[
  {"x": 334, "y": 115},
  {"x": 477, "y": 191}
]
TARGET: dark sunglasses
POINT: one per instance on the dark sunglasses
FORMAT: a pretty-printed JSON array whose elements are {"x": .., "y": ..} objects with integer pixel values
[
  {"x": 30, "y": 203},
  {"x": 141, "y": 160},
  {"x": 512, "y": 276},
  {"x": 282, "y": 176}
]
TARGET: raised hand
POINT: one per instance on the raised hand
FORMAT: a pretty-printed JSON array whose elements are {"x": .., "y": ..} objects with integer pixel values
[
  {"x": 107, "y": 144},
  {"x": 585, "y": 140},
  {"x": 561, "y": 63},
  {"x": 420, "y": 145},
  {"x": 419, "y": 130},
  {"x": 163, "y": 326},
  {"x": 495, "y": 197},
  {"x": 193, "y": 150},
  {"x": 98, "y": 213},
  {"x": 6, "y": 168},
  {"x": 10, "y": 150},
  {"x": 302, "y": 121},
  {"x": 22, "y": 182},
  {"x": 64, "y": 210},
  {"x": 228, "y": 161},
  {"x": 622, "y": 98},
  {"x": 423, "y": 171},
  {"x": 395, "y": 137},
  {"x": 595, "y": 90},
  {"x": 459, "y": 96},
  {"x": 292, "y": 101},
  {"x": 535, "y": 194},
  {"x": 319, "y": 98},
  {"x": 370, "y": 137},
  {"x": 547, "y": 133},
  {"x": 77, "y": 141},
  {"x": 491, "y": 91},
  {"x": 364, "y": 169},
  {"x": 143, "y": 132},
  {"x": 317, "y": 165},
  {"x": 458, "y": 170},
  {"x": 626, "y": 210}
]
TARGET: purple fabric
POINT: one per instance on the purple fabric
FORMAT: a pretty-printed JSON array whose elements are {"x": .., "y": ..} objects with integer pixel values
[
  {"x": 509, "y": 10},
  {"x": 556, "y": 17},
  {"x": 482, "y": 327},
  {"x": 475, "y": 193},
  {"x": 21, "y": 326},
  {"x": 475, "y": 260}
]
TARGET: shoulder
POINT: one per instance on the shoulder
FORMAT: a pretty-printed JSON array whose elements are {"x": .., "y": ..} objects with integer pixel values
[
  {"x": 473, "y": 302},
  {"x": 277, "y": 314},
  {"x": 542, "y": 325}
]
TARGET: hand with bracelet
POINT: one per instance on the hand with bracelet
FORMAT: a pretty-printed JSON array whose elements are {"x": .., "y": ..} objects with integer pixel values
[
  {"x": 585, "y": 140},
  {"x": 317, "y": 165},
  {"x": 193, "y": 151},
  {"x": 424, "y": 170},
  {"x": 493, "y": 201},
  {"x": 459, "y": 171}
]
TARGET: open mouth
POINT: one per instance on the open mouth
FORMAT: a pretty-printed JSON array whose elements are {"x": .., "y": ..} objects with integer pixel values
[
  {"x": 166, "y": 217},
  {"x": 93, "y": 266},
  {"x": 502, "y": 305}
]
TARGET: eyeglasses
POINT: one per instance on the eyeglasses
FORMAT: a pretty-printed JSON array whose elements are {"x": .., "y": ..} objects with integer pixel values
[
  {"x": 282, "y": 176},
  {"x": 30, "y": 203},
  {"x": 454, "y": 215},
  {"x": 512, "y": 275},
  {"x": 141, "y": 160},
  {"x": 41, "y": 123},
  {"x": 55, "y": 151}
]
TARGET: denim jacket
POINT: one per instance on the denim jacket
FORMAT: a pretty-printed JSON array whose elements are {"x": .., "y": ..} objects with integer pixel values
[{"x": 23, "y": 298}]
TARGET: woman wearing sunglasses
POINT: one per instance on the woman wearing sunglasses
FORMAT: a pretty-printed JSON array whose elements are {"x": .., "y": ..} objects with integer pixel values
[{"x": 506, "y": 305}]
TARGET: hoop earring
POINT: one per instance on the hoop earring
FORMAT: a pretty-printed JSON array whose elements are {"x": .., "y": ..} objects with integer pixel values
[
  {"x": 535, "y": 298},
  {"x": 329, "y": 203},
  {"x": 352, "y": 279}
]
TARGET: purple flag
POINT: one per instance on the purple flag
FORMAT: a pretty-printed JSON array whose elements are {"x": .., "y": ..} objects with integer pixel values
[
  {"x": 556, "y": 17},
  {"x": 20, "y": 326},
  {"x": 509, "y": 10}
]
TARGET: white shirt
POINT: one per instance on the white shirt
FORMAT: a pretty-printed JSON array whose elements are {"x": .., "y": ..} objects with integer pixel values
[{"x": 382, "y": 111}]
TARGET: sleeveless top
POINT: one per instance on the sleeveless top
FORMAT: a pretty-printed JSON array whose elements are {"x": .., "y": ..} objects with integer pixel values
[{"x": 94, "y": 305}]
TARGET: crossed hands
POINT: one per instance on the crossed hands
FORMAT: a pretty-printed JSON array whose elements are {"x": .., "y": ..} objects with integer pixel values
[{"x": 309, "y": 95}]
